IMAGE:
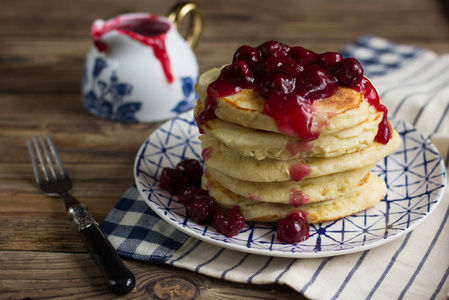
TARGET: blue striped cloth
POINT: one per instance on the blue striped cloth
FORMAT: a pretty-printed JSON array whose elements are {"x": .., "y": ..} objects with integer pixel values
[{"x": 414, "y": 85}]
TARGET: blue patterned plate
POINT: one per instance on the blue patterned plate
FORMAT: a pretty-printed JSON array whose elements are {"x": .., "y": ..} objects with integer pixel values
[{"x": 415, "y": 176}]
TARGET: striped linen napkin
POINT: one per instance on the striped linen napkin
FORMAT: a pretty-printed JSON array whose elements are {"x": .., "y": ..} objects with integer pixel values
[{"x": 414, "y": 85}]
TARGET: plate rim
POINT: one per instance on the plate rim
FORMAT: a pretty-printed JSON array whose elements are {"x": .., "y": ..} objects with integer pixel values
[{"x": 281, "y": 253}]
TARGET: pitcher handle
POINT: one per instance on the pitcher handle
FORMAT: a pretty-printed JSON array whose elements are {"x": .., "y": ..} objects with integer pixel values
[{"x": 177, "y": 14}]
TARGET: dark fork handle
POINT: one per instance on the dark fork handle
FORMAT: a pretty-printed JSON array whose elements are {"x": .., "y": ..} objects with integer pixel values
[{"x": 118, "y": 278}]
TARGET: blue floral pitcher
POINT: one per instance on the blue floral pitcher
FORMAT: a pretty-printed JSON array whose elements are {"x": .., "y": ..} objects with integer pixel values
[{"x": 140, "y": 68}]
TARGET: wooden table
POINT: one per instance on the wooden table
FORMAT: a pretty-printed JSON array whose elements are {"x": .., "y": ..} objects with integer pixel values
[{"x": 42, "y": 50}]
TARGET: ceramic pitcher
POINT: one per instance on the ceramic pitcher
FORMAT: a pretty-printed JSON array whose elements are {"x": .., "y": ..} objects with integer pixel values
[{"x": 140, "y": 68}]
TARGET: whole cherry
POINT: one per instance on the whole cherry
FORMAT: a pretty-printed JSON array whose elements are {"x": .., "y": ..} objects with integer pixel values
[
  {"x": 348, "y": 72},
  {"x": 330, "y": 58},
  {"x": 273, "y": 49},
  {"x": 191, "y": 193},
  {"x": 293, "y": 228},
  {"x": 192, "y": 170},
  {"x": 229, "y": 222},
  {"x": 172, "y": 180},
  {"x": 201, "y": 209},
  {"x": 247, "y": 54},
  {"x": 238, "y": 72}
]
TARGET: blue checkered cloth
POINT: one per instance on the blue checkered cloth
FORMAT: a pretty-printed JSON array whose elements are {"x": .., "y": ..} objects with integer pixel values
[
  {"x": 134, "y": 226},
  {"x": 414, "y": 267},
  {"x": 380, "y": 56}
]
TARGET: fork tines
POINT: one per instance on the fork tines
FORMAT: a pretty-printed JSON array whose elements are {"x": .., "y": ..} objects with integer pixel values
[{"x": 47, "y": 158}]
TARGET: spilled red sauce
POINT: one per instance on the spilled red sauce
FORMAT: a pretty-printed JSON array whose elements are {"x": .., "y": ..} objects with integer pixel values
[
  {"x": 206, "y": 153},
  {"x": 254, "y": 197},
  {"x": 299, "y": 171},
  {"x": 298, "y": 198},
  {"x": 149, "y": 30},
  {"x": 299, "y": 146},
  {"x": 369, "y": 92}
]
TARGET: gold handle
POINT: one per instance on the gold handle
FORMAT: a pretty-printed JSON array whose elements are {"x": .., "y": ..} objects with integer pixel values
[{"x": 177, "y": 14}]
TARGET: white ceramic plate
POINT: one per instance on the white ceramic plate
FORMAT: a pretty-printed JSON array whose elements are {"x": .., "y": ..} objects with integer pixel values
[{"x": 415, "y": 177}]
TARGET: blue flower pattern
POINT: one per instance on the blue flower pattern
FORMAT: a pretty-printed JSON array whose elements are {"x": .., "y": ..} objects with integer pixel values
[
  {"x": 190, "y": 96},
  {"x": 108, "y": 103}
]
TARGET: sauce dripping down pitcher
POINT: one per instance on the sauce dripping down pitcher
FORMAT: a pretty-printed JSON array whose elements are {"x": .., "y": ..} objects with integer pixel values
[{"x": 140, "y": 68}]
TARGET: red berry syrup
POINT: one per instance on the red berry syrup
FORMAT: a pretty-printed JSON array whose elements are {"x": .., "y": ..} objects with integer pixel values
[
  {"x": 365, "y": 87},
  {"x": 290, "y": 79},
  {"x": 149, "y": 30}
]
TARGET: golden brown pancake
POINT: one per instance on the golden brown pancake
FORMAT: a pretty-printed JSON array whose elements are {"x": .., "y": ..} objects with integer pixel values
[
  {"x": 345, "y": 109},
  {"x": 367, "y": 193},
  {"x": 259, "y": 162},
  {"x": 308, "y": 190},
  {"x": 262, "y": 144},
  {"x": 247, "y": 168}
]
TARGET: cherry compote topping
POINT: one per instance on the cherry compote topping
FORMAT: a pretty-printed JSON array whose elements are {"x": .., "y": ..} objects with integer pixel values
[
  {"x": 232, "y": 79},
  {"x": 330, "y": 58},
  {"x": 305, "y": 57},
  {"x": 247, "y": 54},
  {"x": 293, "y": 228},
  {"x": 273, "y": 49},
  {"x": 229, "y": 222},
  {"x": 290, "y": 79},
  {"x": 365, "y": 87}
]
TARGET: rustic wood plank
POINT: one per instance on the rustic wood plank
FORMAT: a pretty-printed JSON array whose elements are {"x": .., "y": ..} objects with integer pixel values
[
  {"x": 414, "y": 18},
  {"x": 78, "y": 135},
  {"x": 90, "y": 180},
  {"x": 75, "y": 276},
  {"x": 32, "y": 221},
  {"x": 35, "y": 222}
]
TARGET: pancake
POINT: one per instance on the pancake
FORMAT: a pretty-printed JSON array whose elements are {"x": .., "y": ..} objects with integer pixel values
[
  {"x": 286, "y": 129},
  {"x": 242, "y": 167},
  {"x": 345, "y": 109},
  {"x": 265, "y": 144},
  {"x": 308, "y": 190},
  {"x": 370, "y": 191}
]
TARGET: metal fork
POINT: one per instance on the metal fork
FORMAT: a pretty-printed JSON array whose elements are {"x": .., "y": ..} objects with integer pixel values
[{"x": 53, "y": 180}]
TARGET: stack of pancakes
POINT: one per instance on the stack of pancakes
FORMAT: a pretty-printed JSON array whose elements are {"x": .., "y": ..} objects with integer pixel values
[{"x": 250, "y": 163}]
